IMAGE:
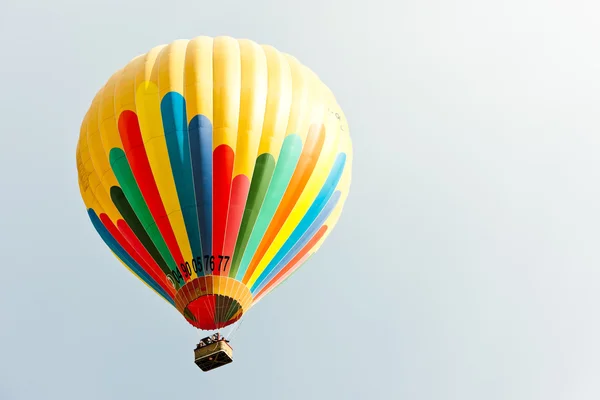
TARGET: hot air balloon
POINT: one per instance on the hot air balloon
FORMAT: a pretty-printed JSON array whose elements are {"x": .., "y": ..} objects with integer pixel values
[{"x": 213, "y": 168}]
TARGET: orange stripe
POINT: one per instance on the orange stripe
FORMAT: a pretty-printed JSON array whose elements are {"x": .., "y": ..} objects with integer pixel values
[{"x": 304, "y": 169}]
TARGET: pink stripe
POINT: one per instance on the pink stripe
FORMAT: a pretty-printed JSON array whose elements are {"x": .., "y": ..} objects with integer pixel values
[
  {"x": 239, "y": 194},
  {"x": 273, "y": 284}
]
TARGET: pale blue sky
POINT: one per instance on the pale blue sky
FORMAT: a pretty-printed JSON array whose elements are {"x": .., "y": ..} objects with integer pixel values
[{"x": 465, "y": 265}]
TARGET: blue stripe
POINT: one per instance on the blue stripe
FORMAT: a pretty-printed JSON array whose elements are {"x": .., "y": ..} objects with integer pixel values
[
  {"x": 309, "y": 218},
  {"x": 201, "y": 142},
  {"x": 174, "y": 119},
  {"x": 125, "y": 257}
]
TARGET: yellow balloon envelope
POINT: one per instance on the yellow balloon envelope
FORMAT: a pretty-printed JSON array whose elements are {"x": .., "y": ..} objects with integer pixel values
[{"x": 213, "y": 169}]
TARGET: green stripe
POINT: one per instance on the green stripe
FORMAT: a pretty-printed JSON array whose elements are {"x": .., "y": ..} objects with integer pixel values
[
  {"x": 189, "y": 315},
  {"x": 261, "y": 177},
  {"x": 120, "y": 201},
  {"x": 234, "y": 307},
  {"x": 122, "y": 170}
]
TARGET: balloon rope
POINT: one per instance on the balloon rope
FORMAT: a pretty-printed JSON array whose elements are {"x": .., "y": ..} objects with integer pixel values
[{"x": 234, "y": 330}]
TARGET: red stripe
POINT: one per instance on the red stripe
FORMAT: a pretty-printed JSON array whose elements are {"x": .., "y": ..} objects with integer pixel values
[
  {"x": 150, "y": 266},
  {"x": 133, "y": 144},
  {"x": 204, "y": 320},
  {"x": 222, "y": 171}
]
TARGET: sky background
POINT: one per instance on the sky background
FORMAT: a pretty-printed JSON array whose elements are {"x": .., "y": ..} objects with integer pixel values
[{"x": 466, "y": 262}]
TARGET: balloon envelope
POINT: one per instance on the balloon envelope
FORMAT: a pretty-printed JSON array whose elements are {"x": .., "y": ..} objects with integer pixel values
[{"x": 213, "y": 169}]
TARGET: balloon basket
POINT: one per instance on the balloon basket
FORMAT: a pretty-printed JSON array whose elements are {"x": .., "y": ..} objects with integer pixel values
[{"x": 211, "y": 354}]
